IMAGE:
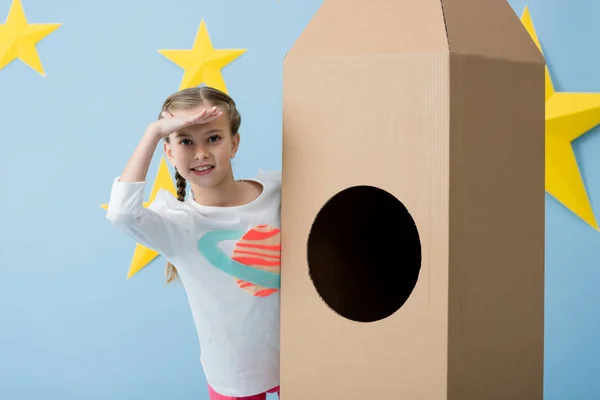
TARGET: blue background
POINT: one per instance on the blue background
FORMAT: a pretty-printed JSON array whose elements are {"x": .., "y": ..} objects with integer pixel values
[{"x": 71, "y": 325}]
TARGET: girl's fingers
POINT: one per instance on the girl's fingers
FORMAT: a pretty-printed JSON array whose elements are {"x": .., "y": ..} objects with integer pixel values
[
  {"x": 212, "y": 111},
  {"x": 204, "y": 116},
  {"x": 211, "y": 116}
]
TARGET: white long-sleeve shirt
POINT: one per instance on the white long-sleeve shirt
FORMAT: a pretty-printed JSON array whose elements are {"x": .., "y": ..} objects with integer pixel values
[{"x": 237, "y": 321}]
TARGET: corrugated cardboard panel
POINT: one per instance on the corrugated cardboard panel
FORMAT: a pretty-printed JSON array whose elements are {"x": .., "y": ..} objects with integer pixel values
[
  {"x": 496, "y": 314},
  {"x": 389, "y": 131},
  {"x": 488, "y": 28}
]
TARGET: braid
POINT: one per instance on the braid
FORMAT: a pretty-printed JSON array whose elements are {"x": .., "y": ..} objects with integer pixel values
[
  {"x": 181, "y": 184},
  {"x": 171, "y": 271}
]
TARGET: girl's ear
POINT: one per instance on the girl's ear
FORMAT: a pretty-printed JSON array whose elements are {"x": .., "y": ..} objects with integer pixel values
[
  {"x": 235, "y": 144},
  {"x": 169, "y": 153}
]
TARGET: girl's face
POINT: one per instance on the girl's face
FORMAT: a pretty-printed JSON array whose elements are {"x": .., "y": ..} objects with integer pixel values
[{"x": 202, "y": 153}]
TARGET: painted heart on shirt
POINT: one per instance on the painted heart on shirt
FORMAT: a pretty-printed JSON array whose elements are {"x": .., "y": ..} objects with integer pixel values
[{"x": 255, "y": 262}]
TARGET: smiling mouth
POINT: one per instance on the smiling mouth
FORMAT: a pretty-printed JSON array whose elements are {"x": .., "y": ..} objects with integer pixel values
[{"x": 202, "y": 170}]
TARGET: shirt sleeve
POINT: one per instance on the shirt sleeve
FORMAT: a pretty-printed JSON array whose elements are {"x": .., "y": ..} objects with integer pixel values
[
  {"x": 159, "y": 231},
  {"x": 273, "y": 177}
]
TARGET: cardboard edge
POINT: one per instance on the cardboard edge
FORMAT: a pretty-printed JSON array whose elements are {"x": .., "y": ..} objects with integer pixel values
[{"x": 445, "y": 25}]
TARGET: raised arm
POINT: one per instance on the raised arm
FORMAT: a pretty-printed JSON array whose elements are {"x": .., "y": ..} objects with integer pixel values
[
  {"x": 148, "y": 226},
  {"x": 136, "y": 168}
]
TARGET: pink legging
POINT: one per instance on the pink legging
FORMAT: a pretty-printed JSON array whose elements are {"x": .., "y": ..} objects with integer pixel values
[{"x": 262, "y": 396}]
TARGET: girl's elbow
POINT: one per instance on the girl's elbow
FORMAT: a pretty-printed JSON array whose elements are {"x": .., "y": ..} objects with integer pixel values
[{"x": 120, "y": 219}]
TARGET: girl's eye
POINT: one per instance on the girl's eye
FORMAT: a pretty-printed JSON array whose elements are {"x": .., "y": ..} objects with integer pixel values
[
  {"x": 214, "y": 138},
  {"x": 185, "y": 142}
]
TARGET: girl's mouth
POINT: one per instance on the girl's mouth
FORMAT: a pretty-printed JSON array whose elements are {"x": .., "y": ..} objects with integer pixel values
[{"x": 203, "y": 170}]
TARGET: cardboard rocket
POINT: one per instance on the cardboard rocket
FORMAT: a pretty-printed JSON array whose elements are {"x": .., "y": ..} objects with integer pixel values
[{"x": 413, "y": 204}]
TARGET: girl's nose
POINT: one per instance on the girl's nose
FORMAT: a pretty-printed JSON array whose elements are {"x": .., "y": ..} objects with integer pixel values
[{"x": 201, "y": 154}]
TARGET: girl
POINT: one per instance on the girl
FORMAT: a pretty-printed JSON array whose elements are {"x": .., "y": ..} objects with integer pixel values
[{"x": 223, "y": 243}]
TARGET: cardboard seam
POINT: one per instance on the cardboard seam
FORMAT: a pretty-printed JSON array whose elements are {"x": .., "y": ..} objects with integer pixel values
[
  {"x": 449, "y": 176},
  {"x": 445, "y": 23}
]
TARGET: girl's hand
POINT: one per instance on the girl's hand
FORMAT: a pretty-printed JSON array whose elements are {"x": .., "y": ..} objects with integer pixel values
[{"x": 169, "y": 123}]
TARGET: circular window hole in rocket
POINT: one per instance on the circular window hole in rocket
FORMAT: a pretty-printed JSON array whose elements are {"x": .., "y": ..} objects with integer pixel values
[{"x": 364, "y": 254}]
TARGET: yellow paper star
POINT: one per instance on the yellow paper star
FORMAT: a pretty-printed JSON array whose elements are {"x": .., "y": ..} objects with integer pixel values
[
  {"x": 568, "y": 116},
  {"x": 142, "y": 256},
  {"x": 202, "y": 63},
  {"x": 18, "y": 39}
]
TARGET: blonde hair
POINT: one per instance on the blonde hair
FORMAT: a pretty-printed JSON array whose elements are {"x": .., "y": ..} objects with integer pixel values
[{"x": 188, "y": 99}]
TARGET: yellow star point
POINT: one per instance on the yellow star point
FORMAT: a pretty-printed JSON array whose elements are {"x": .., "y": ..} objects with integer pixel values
[
  {"x": 202, "y": 63},
  {"x": 142, "y": 255},
  {"x": 568, "y": 116},
  {"x": 18, "y": 38},
  {"x": 528, "y": 24}
]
